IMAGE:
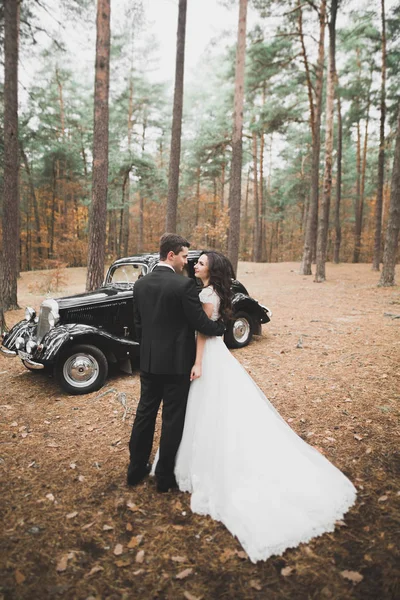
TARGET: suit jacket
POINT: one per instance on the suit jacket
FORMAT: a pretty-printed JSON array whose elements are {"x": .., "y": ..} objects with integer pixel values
[{"x": 167, "y": 311}]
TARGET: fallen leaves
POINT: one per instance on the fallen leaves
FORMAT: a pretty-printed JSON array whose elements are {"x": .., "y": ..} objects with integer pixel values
[
  {"x": 63, "y": 562},
  {"x": 118, "y": 550},
  {"x": 255, "y": 584},
  {"x": 122, "y": 563},
  {"x": 19, "y": 577},
  {"x": 352, "y": 576},
  {"x": 135, "y": 541},
  {"x": 183, "y": 574},
  {"x": 71, "y": 515},
  {"x": 94, "y": 570},
  {"x": 229, "y": 553}
]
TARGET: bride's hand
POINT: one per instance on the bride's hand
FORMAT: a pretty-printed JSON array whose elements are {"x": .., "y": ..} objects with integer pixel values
[{"x": 195, "y": 372}]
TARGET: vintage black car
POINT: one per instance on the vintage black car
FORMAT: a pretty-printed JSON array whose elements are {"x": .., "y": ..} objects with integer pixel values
[{"x": 80, "y": 336}]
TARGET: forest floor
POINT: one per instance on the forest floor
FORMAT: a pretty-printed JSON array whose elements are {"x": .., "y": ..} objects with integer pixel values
[{"x": 72, "y": 529}]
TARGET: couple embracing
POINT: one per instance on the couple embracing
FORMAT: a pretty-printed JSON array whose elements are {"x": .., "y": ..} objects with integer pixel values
[{"x": 221, "y": 439}]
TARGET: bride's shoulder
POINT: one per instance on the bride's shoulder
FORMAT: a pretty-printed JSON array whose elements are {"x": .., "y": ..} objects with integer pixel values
[{"x": 207, "y": 293}]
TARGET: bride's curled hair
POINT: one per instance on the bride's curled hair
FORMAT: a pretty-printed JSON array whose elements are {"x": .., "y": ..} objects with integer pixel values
[{"x": 221, "y": 275}]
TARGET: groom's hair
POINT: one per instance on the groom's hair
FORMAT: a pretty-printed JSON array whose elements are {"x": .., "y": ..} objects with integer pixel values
[{"x": 171, "y": 241}]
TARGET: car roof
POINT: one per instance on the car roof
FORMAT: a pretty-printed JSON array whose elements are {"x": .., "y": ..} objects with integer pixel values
[{"x": 150, "y": 257}]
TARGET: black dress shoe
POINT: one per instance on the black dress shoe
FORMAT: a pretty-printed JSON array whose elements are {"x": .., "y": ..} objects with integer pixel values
[
  {"x": 135, "y": 475},
  {"x": 165, "y": 485}
]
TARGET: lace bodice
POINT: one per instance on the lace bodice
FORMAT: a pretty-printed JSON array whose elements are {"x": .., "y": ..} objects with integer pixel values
[{"x": 209, "y": 296}]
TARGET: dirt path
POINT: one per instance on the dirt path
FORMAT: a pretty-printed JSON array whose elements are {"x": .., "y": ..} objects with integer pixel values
[{"x": 73, "y": 530}]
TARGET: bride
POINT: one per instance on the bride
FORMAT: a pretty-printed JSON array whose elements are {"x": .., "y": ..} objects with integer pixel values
[{"x": 242, "y": 463}]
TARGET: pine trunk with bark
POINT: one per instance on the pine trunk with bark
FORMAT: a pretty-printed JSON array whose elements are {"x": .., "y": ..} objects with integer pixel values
[
  {"x": 98, "y": 209},
  {"x": 175, "y": 156},
  {"x": 261, "y": 196},
  {"x": 393, "y": 226},
  {"x": 338, "y": 227},
  {"x": 357, "y": 224},
  {"x": 236, "y": 165},
  {"x": 315, "y": 118},
  {"x": 11, "y": 163},
  {"x": 256, "y": 236},
  {"x": 323, "y": 225},
  {"x": 381, "y": 156},
  {"x": 3, "y": 325}
]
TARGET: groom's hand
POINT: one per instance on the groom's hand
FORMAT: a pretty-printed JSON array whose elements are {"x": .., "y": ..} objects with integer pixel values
[{"x": 195, "y": 373}]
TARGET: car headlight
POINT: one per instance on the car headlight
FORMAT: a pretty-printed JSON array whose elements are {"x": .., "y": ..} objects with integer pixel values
[
  {"x": 30, "y": 314},
  {"x": 31, "y": 346},
  {"x": 20, "y": 343}
]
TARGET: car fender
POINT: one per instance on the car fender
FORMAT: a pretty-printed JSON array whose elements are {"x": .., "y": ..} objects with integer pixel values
[
  {"x": 64, "y": 335},
  {"x": 23, "y": 329},
  {"x": 259, "y": 313}
]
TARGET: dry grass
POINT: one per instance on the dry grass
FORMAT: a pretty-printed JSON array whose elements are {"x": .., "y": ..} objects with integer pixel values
[{"x": 65, "y": 504}]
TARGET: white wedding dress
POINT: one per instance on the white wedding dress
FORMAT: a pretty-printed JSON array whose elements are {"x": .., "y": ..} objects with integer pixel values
[{"x": 245, "y": 466}]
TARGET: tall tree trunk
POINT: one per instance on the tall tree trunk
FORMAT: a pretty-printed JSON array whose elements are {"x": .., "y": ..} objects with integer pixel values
[
  {"x": 112, "y": 233},
  {"x": 124, "y": 217},
  {"x": 98, "y": 209},
  {"x": 223, "y": 168},
  {"x": 323, "y": 225},
  {"x": 11, "y": 163},
  {"x": 246, "y": 216},
  {"x": 359, "y": 219},
  {"x": 357, "y": 200},
  {"x": 34, "y": 202},
  {"x": 175, "y": 157},
  {"x": 338, "y": 227},
  {"x": 141, "y": 197},
  {"x": 312, "y": 217},
  {"x": 381, "y": 155},
  {"x": 261, "y": 195},
  {"x": 236, "y": 168},
  {"x": 393, "y": 226},
  {"x": 3, "y": 325},
  {"x": 53, "y": 211},
  {"x": 256, "y": 216}
]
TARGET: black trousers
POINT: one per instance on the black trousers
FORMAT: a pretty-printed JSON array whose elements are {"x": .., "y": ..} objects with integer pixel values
[{"x": 173, "y": 391}]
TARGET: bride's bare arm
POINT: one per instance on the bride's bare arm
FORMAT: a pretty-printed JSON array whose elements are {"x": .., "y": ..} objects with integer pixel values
[{"x": 200, "y": 341}]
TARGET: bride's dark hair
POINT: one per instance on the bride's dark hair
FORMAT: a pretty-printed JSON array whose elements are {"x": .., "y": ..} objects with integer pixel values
[{"x": 221, "y": 275}]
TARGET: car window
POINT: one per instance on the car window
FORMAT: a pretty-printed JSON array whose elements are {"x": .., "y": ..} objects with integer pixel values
[{"x": 128, "y": 273}]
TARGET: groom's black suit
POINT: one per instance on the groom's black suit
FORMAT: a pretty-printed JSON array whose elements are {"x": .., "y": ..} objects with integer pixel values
[{"x": 167, "y": 311}]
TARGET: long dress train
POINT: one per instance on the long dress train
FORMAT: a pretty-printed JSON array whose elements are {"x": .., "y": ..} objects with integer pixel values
[{"x": 246, "y": 467}]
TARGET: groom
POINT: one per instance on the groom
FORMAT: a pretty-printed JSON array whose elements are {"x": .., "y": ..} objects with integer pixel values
[{"x": 167, "y": 311}]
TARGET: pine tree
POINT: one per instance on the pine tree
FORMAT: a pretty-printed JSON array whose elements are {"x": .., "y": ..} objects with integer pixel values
[
  {"x": 175, "y": 154},
  {"x": 235, "y": 190},
  {"x": 98, "y": 212},
  {"x": 11, "y": 161}
]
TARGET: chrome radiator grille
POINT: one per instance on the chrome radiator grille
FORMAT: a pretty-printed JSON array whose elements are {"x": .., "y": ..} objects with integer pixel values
[{"x": 43, "y": 323}]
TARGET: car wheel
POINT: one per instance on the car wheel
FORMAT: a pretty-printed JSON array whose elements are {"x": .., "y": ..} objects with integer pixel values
[
  {"x": 240, "y": 331},
  {"x": 81, "y": 369}
]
